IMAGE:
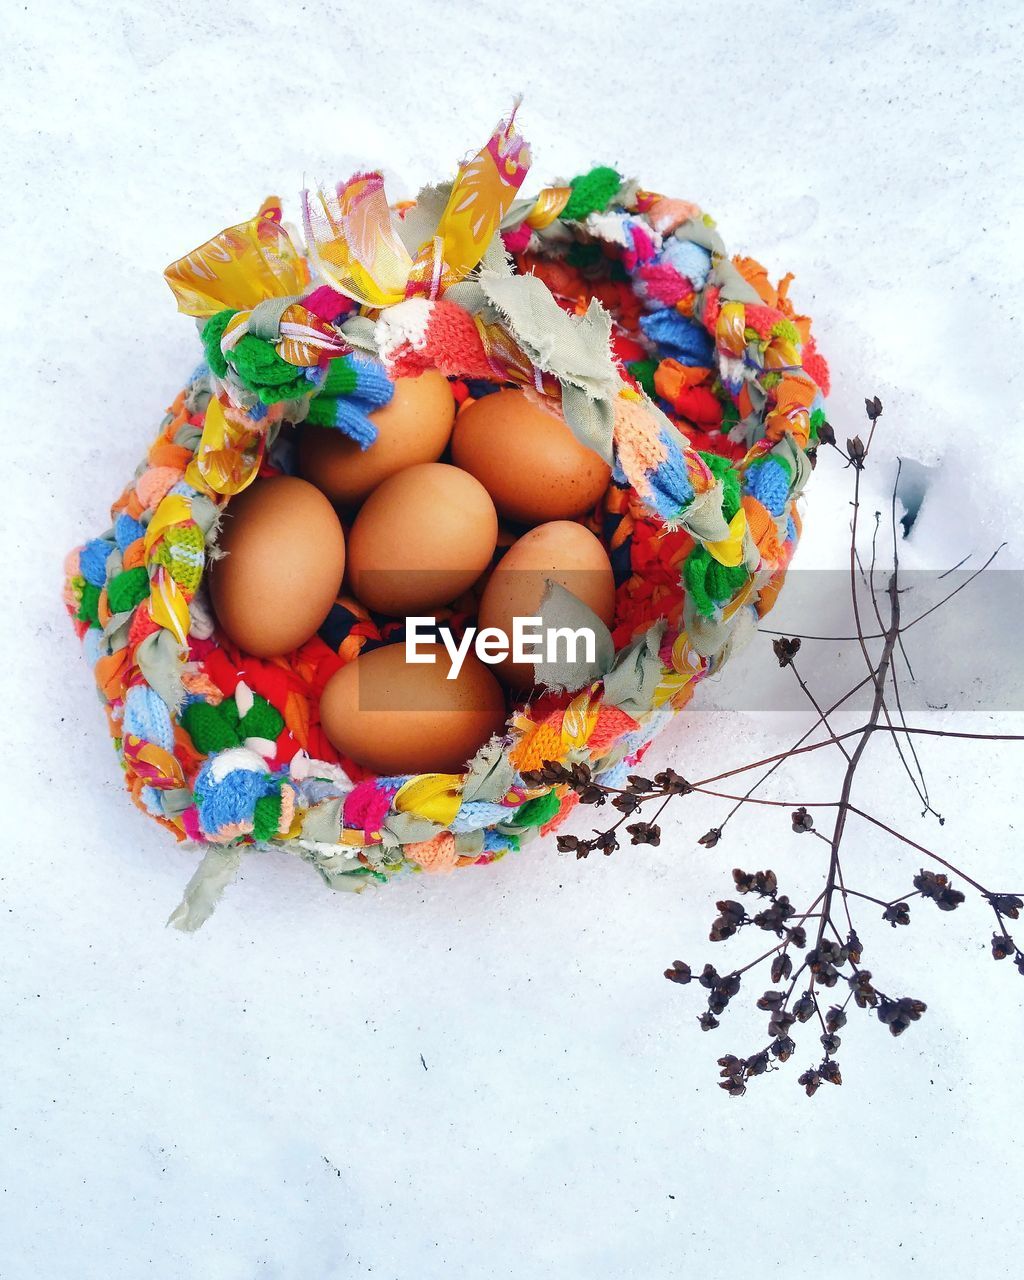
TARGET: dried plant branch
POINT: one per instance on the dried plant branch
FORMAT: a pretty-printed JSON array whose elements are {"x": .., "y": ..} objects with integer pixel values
[{"x": 835, "y": 950}]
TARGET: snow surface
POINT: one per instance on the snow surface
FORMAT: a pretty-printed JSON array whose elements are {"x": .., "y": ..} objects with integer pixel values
[{"x": 487, "y": 1076}]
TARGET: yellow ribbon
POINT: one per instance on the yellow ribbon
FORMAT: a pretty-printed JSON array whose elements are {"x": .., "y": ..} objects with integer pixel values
[
  {"x": 355, "y": 244},
  {"x": 173, "y": 509},
  {"x": 579, "y": 719},
  {"x": 729, "y": 551},
  {"x": 229, "y": 454},
  {"x": 781, "y": 353},
  {"x": 730, "y": 331},
  {"x": 436, "y": 796},
  {"x": 242, "y": 266},
  {"x": 168, "y": 606},
  {"x": 484, "y": 188},
  {"x": 674, "y": 685},
  {"x": 163, "y": 762},
  {"x": 549, "y": 204},
  {"x": 354, "y": 241}
]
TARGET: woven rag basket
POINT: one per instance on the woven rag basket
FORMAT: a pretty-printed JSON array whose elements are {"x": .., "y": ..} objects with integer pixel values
[{"x": 616, "y": 308}]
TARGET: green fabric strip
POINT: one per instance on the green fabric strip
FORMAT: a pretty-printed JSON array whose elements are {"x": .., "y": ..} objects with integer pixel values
[{"x": 202, "y": 893}]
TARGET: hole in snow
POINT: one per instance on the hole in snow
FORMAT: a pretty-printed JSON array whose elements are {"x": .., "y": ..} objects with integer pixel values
[{"x": 915, "y": 480}]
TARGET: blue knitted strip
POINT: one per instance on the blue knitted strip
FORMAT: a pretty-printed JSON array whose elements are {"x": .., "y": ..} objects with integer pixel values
[
  {"x": 350, "y": 417},
  {"x": 147, "y": 717},
  {"x": 614, "y": 777},
  {"x": 151, "y": 798},
  {"x": 670, "y": 483},
  {"x": 495, "y": 842},
  {"x": 232, "y": 799},
  {"x": 689, "y": 259},
  {"x": 678, "y": 337},
  {"x": 769, "y": 482},
  {"x": 93, "y": 645},
  {"x": 315, "y": 790},
  {"x": 372, "y": 382},
  {"x": 127, "y": 531},
  {"x": 92, "y": 561},
  {"x": 478, "y": 814}
]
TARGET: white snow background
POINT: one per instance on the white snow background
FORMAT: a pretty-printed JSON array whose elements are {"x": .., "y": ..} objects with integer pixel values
[{"x": 487, "y": 1076}]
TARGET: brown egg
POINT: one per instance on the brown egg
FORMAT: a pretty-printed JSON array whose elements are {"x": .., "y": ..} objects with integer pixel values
[
  {"x": 396, "y": 717},
  {"x": 420, "y": 539},
  {"x": 413, "y": 427},
  {"x": 284, "y": 556},
  {"x": 562, "y": 552},
  {"x": 528, "y": 460}
]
